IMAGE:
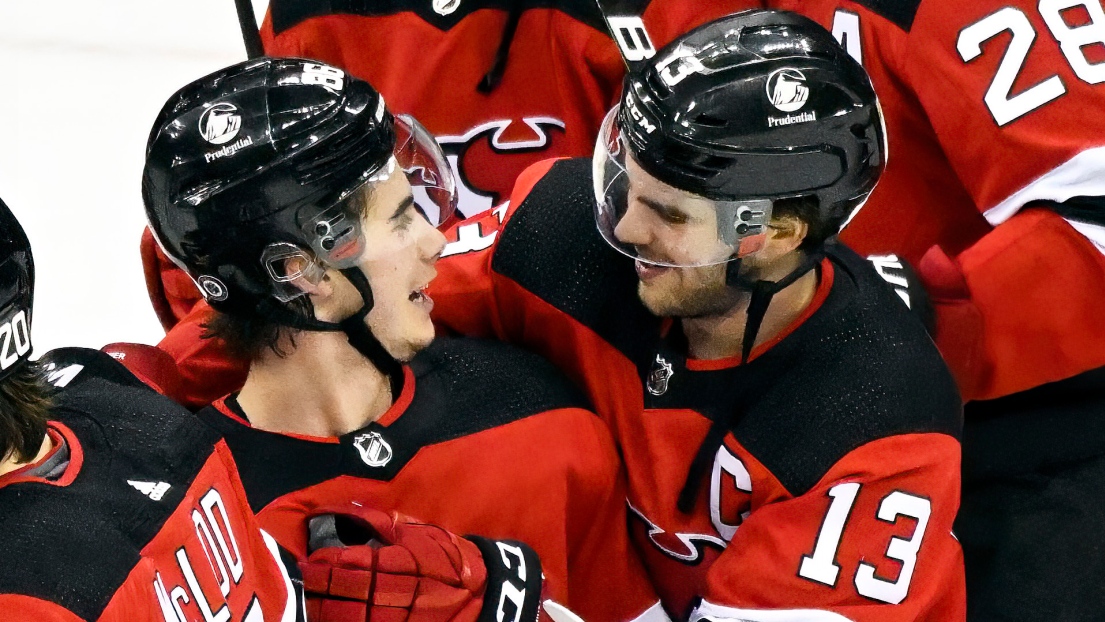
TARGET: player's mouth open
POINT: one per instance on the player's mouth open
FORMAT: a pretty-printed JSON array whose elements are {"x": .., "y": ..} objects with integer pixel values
[
  {"x": 420, "y": 298},
  {"x": 648, "y": 271}
]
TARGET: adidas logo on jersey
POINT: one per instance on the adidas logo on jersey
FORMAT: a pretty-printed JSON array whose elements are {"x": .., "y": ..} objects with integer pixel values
[{"x": 153, "y": 490}]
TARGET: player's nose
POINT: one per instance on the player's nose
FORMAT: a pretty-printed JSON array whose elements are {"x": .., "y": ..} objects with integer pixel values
[{"x": 633, "y": 227}]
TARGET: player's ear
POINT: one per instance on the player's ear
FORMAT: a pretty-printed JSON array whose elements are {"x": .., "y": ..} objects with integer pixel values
[
  {"x": 298, "y": 267},
  {"x": 786, "y": 233}
]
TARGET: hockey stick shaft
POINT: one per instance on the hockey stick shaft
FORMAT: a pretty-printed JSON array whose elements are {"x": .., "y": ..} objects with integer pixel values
[
  {"x": 628, "y": 30},
  {"x": 251, "y": 36}
]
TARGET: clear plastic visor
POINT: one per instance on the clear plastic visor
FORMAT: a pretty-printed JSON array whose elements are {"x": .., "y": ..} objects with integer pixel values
[
  {"x": 658, "y": 224},
  {"x": 335, "y": 233}
]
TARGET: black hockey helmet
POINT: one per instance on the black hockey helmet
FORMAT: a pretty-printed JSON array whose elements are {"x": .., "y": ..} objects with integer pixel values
[
  {"x": 252, "y": 165},
  {"x": 751, "y": 108},
  {"x": 17, "y": 283}
]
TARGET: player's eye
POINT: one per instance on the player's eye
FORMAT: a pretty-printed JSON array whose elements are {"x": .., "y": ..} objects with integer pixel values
[{"x": 404, "y": 216}]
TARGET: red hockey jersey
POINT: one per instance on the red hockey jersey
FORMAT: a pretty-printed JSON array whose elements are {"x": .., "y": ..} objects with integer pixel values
[
  {"x": 147, "y": 520},
  {"x": 483, "y": 439},
  {"x": 989, "y": 111},
  {"x": 817, "y": 482},
  {"x": 562, "y": 73}
]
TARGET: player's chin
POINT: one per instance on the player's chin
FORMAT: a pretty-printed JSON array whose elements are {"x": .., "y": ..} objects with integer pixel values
[
  {"x": 657, "y": 298},
  {"x": 418, "y": 336}
]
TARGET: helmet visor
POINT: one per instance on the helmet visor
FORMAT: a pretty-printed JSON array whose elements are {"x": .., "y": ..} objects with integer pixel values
[
  {"x": 427, "y": 170},
  {"x": 658, "y": 224}
]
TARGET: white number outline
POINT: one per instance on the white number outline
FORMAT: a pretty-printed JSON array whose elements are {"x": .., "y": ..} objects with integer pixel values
[
  {"x": 15, "y": 332},
  {"x": 1003, "y": 107},
  {"x": 847, "y": 33},
  {"x": 632, "y": 37},
  {"x": 1072, "y": 40},
  {"x": 324, "y": 75},
  {"x": 893, "y": 505},
  {"x": 821, "y": 567}
]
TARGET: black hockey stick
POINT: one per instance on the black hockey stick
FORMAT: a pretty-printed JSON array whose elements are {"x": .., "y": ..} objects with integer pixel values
[
  {"x": 628, "y": 30},
  {"x": 250, "y": 34}
]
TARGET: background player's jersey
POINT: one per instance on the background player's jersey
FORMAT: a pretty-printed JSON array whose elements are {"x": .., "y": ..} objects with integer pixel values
[
  {"x": 147, "y": 522},
  {"x": 562, "y": 73},
  {"x": 990, "y": 116},
  {"x": 817, "y": 482},
  {"x": 484, "y": 439}
]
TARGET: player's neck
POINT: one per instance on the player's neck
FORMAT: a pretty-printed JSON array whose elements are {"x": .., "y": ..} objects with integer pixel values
[
  {"x": 323, "y": 388},
  {"x": 8, "y": 464},
  {"x": 722, "y": 336}
]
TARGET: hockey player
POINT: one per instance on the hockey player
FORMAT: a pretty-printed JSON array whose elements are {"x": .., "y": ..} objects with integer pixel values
[
  {"x": 117, "y": 504},
  {"x": 994, "y": 190},
  {"x": 501, "y": 85},
  {"x": 303, "y": 212},
  {"x": 789, "y": 430}
]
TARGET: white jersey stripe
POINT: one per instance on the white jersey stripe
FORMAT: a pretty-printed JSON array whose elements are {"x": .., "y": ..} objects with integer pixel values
[{"x": 718, "y": 613}]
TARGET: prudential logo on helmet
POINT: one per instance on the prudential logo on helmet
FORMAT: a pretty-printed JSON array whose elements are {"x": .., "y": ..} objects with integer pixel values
[
  {"x": 787, "y": 90},
  {"x": 220, "y": 123}
]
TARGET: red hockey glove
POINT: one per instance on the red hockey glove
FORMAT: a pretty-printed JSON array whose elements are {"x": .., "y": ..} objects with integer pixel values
[
  {"x": 390, "y": 568},
  {"x": 958, "y": 322}
]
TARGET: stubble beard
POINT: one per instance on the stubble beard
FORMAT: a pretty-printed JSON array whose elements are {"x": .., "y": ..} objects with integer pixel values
[{"x": 691, "y": 293}]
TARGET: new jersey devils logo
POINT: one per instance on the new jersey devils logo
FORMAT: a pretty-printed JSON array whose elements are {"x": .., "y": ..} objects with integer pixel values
[
  {"x": 489, "y": 157},
  {"x": 689, "y": 548},
  {"x": 374, "y": 450}
]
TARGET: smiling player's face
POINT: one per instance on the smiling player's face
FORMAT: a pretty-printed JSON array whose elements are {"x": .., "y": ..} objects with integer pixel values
[
  {"x": 401, "y": 248},
  {"x": 669, "y": 226}
]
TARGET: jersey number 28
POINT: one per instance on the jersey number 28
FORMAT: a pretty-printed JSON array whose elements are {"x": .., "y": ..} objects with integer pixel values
[{"x": 1072, "y": 41}]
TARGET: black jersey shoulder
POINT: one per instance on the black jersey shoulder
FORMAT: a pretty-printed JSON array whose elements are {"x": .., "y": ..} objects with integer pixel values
[
  {"x": 75, "y": 545},
  {"x": 462, "y": 387},
  {"x": 860, "y": 369},
  {"x": 288, "y": 13},
  {"x": 899, "y": 12},
  {"x": 552, "y": 249}
]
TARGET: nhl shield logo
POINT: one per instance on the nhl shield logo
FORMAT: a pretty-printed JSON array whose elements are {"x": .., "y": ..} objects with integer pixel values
[
  {"x": 374, "y": 450},
  {"x": 659, "y": 376}
]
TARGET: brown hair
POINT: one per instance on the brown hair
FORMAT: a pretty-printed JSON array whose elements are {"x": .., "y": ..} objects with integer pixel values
[
  {"x": 247, "y": 338},
  {"x": 807, "y": 209},
  {"x": 25, "y": 402}
]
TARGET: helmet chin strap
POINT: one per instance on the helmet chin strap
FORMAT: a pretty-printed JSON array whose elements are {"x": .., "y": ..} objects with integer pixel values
[
  {"x": 762, "y": 293},
  {"x": 355, "y": 328},
  {"x": 360, "y": 335}
]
